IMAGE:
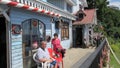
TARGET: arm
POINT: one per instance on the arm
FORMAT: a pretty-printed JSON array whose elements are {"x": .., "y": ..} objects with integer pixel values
[
  {"x": 43, "y": 59},
  {"x": 46, "y": 60}
]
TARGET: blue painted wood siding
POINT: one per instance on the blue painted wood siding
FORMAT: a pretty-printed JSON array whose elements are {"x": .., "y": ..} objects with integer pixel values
[
  {"x": 17, "y": 16},
  {"x": 16, "y": 46},
  {"x": 20, "y": 15}
]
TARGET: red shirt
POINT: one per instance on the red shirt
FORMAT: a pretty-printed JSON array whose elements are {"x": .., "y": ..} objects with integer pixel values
[{"x": 56, "y": 44}]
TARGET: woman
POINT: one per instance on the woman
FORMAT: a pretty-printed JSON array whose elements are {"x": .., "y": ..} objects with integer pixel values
[{"x": 57, "y": 46}]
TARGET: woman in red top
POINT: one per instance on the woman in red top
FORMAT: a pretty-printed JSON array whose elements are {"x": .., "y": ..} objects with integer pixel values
[{"x": 57, "y": 46}]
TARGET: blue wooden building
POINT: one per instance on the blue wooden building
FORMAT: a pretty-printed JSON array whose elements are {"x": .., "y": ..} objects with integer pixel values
[{"x": 24, "y": 22}]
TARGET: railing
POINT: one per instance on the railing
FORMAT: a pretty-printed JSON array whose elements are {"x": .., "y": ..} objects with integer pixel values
[
  {"x": 99, "y": 58},
  {"x": 47, "y": 7}
]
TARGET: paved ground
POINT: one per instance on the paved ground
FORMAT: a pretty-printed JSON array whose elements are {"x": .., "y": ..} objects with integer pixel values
[{"x": 74, "y": 55}]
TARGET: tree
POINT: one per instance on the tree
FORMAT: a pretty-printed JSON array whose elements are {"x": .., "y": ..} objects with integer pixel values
[{"x": 108, "y": 17}]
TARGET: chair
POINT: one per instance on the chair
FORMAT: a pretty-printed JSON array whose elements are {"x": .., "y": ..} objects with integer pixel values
[
  {"x": 58, "y": 59},
  {"x": 40, "y": 64}
]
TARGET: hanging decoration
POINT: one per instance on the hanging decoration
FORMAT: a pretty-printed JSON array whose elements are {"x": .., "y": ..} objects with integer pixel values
[{"x": 16, "y": 29}]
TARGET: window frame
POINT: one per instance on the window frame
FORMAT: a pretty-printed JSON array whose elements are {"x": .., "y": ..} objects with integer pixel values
[{"x": 64, "y": 31}]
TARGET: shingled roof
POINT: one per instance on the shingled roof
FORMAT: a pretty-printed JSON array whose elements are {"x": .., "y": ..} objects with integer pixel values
[{"x": 88, "y": 19}]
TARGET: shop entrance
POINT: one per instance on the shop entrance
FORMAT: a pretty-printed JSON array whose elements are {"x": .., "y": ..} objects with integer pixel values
[{"x": 3, "y": 47}]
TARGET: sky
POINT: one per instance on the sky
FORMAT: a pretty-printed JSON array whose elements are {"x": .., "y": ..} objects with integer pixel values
[{"x": 115, "y": 2}]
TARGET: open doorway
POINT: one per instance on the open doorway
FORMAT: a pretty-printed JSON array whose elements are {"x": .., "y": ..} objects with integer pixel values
[
  {"x": 79, "y": 37},
  {"x": 3, "y": 47}
]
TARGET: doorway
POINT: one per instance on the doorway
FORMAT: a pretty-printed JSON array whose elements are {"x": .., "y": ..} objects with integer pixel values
[
  {"x": 33, "y": 32},
  {"x": 79, "y": 37},
  {"x": 3, "y": 47}
]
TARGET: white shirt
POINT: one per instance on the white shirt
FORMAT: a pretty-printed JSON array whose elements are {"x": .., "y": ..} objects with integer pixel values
[{"x": 43, "y": 53}]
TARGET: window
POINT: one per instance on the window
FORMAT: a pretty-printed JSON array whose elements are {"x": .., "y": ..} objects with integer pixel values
[
  {"x": 33, "y": 31},
  {"x": 65, "y": 31},
  {"x": 69, "y": 8},
  {"x": 80, "y": 15}
]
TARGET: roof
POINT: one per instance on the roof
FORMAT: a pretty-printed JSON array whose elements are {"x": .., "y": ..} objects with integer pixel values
[{"x": 88, "y": 19}]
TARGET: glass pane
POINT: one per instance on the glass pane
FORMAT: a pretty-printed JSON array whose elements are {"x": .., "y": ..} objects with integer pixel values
[
  {"x": 26, "y": 39},
  {"x": 65, "y": 31},
  {"x": 41, "y": 33},
  {"x": 62, "y": 33},
  {"x": 66, "y": 36},
  {"x": 26, "y": 44}
]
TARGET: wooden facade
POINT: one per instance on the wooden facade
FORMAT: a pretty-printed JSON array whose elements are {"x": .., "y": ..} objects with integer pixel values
[{"x": 26, "y": 25}]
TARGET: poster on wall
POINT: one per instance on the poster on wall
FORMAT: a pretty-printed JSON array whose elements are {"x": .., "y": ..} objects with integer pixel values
[{"x": 16, "y": 42}]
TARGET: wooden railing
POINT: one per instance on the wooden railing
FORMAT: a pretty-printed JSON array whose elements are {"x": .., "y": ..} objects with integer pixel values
[
  {"x": 47, "y": 7},
  {"x": 99, "y": 58}
]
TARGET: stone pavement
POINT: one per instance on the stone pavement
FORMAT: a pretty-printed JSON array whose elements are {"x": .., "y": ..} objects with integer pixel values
[{"x": 76, "y": 56}]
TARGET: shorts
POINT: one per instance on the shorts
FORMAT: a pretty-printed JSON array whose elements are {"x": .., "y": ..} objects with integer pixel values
[{"x": 53, "y": 63}]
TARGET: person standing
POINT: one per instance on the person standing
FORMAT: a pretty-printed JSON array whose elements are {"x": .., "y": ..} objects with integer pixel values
[{"x": 57, "y": 45}]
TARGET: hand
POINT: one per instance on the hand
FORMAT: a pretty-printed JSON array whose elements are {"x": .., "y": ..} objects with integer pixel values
[{"x": 50, "y": 60}]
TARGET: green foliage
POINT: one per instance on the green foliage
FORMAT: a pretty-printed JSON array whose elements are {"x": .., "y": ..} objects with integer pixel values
[
  {"x": 111, "y": 40},
  {"x": 107, "y": 17},
  {"x": 113, "y": 62},
  {"x": 91, "y": 4},
  {"x": 115, "y": 45},
  {"x": 115, "y": 48}
]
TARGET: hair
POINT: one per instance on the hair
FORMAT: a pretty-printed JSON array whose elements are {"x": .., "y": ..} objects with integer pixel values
[
  {"x": 43, "y": 42},
  {"x": 55, "y": 34},
  {"x": 48, "y": 38},
  {"x": 40, "y": 43}
]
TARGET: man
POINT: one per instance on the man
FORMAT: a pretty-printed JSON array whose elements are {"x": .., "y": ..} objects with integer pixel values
[{"x": 43, "y": 55}]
